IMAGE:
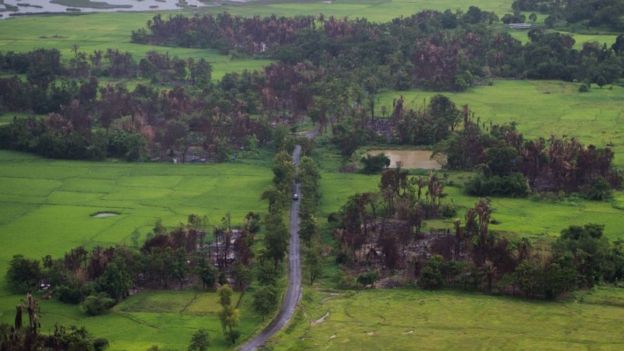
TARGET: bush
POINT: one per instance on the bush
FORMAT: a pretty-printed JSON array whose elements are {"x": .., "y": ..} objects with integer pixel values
[
  {"x": 95, "y": 305},
  {"x": 23, "y": 275},
  {"x": 345, "y": 280},
  {"x": 514, "y": 185},
  {"x": 200, "y": 341},
  {"x": 375, "y": 164},
  {"x": 584, "y": 88},
  {"x": 265, "y": 299},
  {"x": 232, "y": 335},
  {"x": 448, "y": 211},
  {"x": 367, "y": 278},
  {"x": 100, "y": 344},
  {"x": 598, "y": 190},
  {"x": 431, "y": 274},
  {"x": 68, "y": 294}
]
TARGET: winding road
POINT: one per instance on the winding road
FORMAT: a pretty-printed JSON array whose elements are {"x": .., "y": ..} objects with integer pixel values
[{"x": 293, "y": 294}]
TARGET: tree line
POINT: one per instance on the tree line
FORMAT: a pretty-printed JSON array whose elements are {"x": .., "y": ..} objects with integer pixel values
[
  {"x": 507, "y": 163},
  {"x": 380, "y": 235},
  {"x": 594, "y": 13},
  {"x": 88, "y": 120},
  {"x": 101, "y": 277},
  {"x": 267, "y": 294},
  {"x": 431, "y": 49},
  {"x": 309, "y": 178},
  {"x": 476, "y": 258},
  {"x": 510, "y": 165}
]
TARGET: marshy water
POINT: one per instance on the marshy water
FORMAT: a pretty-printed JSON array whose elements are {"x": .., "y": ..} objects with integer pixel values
[
  {"x": 61, "y": 6},
  {"x": 420, "y": 159}
]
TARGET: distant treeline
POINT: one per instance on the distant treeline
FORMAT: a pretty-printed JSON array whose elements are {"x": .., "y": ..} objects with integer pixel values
[
  {"x": 596, "y": 13},
  {"x": 436, "y": 50},
  {"x": 89, "y": 120}
]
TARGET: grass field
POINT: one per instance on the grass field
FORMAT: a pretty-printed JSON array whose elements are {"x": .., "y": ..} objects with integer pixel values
[
  {"x": 524, "y": 217},
  {"x": 404, "y": 319},
  {"x": 580, "y": 39},
  {"x": 46, "y": 207},
  {"x": 167, "y": 319},
  {"x": 105, "y": 30},
  {"x": 542, "y": 108},
  {"x": 100, "y": 32},
  {"x": 374, "y": 10}
]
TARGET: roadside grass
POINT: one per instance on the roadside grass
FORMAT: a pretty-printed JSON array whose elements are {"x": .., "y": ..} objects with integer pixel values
[
  {"x": 46, "y": 208},
  {"x": 541, "y": 108},
  {"x": 401, "y": 319}
]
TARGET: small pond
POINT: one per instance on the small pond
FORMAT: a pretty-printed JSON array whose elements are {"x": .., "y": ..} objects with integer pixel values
[
  {"x": 415, "y": 159},
  {"x": 105, "y": 214}
]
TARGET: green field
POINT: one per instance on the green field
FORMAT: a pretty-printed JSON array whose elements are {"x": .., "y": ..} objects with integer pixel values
[
  {"x": 580, "y": 39},
  {"x": 100, "y": 32},
  {"x": 374, "y": 10},
  {"x": 402, "y": 319},
  {"x": 523, "y": 217},
  {"x": 166, "y": 319},
  {"x": 46, "y": 207},
  {"x": 541, "y": 108}
]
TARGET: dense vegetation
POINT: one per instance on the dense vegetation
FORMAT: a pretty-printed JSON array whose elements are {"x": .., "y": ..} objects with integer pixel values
[
  {"x": 320, "y": 73},
  {"x": 333, "y": 72},
  {"x": 507, "y": 163},
  {"x": 596, "y": 13},
  {"x": 87, "y": 121},
  {"x": 103, "y": 276},
  {"x": 506, "y": 159},
  {"x": 21, "y": 336},
  {"x": 48, "y": 207},
  {"x": 437, "y": 50},
  {"x": 380, "y": 235}
]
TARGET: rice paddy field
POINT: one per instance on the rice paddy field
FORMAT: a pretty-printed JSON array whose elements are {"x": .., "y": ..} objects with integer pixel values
[
  {"x": 537, "y": 219},
  {"x": 100, "y": 32},
  {"x": 404, "y": 319},
  {"x": 46, "y": 207}
]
